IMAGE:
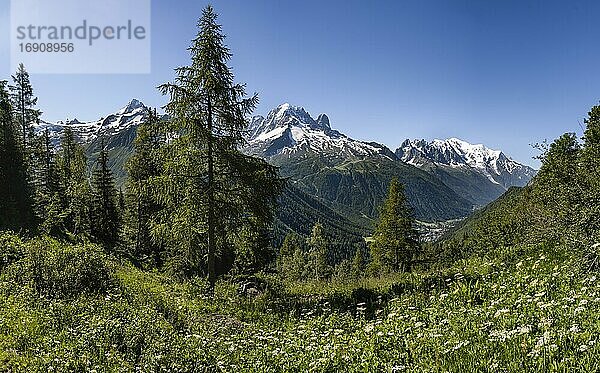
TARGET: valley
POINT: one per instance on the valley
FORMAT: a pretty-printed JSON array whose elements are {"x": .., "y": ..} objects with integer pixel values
[
  {"x": 226, "y": 232},
  {"x": 445, "y": 180}
]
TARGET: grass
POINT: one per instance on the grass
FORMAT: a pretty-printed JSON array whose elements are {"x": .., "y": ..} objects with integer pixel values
[{"x": 515, "y": 310}]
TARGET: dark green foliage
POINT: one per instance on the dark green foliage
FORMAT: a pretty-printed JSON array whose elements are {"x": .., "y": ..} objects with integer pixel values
[
  {"x": 588, "y": 184},
  {"x": 74, "y": 185},
  {"x": 210, "y": 190},
  {"x": 355, "y": 188},
  {"x": 11, "y": 250},
  {"x": 299, "y": 212},
  {"x": 503, "y": 223},
  {"x": 16, "y": 211},
  {"x": 140, "y": 202},
  {"x": 23, "y": 104},
  {"x": 67, "y": 271},
  {"x": 55, "y": 269},
  {"x": 105, "y": 222},
  {"x": 359, "y": 264},
  {"x": 46, "y": 180},
  {"x": 254, "y": 250},
  {"x": 395, "y": 241},
  {"x": 557, "y": 189},
  {"x": 561, "y": 204}
]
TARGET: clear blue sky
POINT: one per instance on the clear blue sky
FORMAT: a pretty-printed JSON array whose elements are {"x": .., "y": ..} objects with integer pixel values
[{"x": 503, "y": 73}]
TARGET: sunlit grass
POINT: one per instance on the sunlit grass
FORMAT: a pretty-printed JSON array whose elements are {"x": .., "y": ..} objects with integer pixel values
[{"x": 519, "y": 309}]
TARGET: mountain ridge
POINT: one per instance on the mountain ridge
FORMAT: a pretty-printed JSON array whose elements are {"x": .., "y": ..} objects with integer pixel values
[
  {"x": 493, "y": 164},
  {"x": 473, "y": 171},
  {"x": 130, "y": 115},
  {"x": 348, "y": 176}
]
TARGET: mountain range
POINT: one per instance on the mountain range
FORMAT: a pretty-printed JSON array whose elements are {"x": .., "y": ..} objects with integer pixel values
[
  {"x": 116, "y": 130},
  {"x": 337, "y": 178},
  {"x": 444, "y": 179}
]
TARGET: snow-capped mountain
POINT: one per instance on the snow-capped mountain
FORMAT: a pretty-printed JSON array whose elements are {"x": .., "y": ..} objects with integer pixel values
[
  {"x": 324, "y": 160},
  {"x": 291, "y": 130},
  {"x": 126, "y": 118},
  {"x": 443, "y": 179},
  {"x": 456, "y": 153}
]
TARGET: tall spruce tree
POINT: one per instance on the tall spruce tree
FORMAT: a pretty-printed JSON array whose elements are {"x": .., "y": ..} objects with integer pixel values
[
  {"x": 211, "y": 190},
  {"x": 15, "y": 194},
  {"x": 66, "y": 154},
  {"x": 74, "y": 185},
  {"x": 23, "y": 101},
  {"x": 105, "y": 213},
  {"x": 141, "y": 205},
  {"x": 45, "y": 176},
  {"x": 395, "y": 241}
]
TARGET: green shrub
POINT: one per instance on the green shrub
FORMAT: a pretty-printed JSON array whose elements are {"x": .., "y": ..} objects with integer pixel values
[
  {"x": 11, "y": 249},
  {"x": 61, "y": 270}
]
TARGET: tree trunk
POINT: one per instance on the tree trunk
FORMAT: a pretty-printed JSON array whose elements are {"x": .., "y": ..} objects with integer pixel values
[{"x": 211, "y": 204}]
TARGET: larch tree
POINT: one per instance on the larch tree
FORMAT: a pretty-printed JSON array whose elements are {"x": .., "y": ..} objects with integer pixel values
[
  {"x": 212, "y": 192},
  {"x": 291, "y": 261},
  {"x": 317, "y": 253},
  {"x": 395, "y": 241}
]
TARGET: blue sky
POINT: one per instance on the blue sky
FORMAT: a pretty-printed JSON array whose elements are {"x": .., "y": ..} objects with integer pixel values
[{"x": 503, "y": 73}]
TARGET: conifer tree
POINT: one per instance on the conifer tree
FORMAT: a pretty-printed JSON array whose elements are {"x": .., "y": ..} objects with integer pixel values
[
  {"x": 291, "y": 241},
  {"x": 291, "y": 261},
  {"x": 140, "y": 203},
  {"x": 48, "y": 196},
  {"x": 211, "y": 190},
  {"x": 15, "y": 194},
  {"x": 66, "y": 155},
  {"x": 590, "y": 176},
  {"x": 358, "y": 264},
  {"x": 105, "y": 214},
  {"x": 317, "y": 253},
  {"x": 121, "y": 202},
  {"x": 558, "y": 189},
  {"x": 297, "y": 265},
  {"x": 253, "y": 249},
  {"x": 74, "y": 185},
  {"x": 24, "y": 102},
  {"x": 395, "y": 241}
]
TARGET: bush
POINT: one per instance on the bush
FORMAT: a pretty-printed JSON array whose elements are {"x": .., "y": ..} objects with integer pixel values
[
  {"x": 61, "y": 270},
  {"x": 11, "y": 250}
]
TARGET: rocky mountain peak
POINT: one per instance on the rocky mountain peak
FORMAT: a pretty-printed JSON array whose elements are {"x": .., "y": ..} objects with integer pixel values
[
  {"x": 453, "y": 152},
  {"x": 323, "y": 121},
  {"x": 133, "y": 105}
]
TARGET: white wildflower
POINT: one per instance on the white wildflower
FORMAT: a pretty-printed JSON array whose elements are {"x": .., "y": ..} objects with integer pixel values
[{"x": 501, "y": 311}]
